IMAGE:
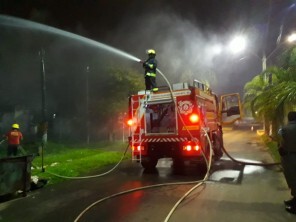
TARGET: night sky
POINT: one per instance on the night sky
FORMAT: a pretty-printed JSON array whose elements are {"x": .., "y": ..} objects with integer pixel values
[{"x": 181, "y": 32}]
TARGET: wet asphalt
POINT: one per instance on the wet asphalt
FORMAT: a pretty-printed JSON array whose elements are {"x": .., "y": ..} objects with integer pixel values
[{"x": 233, "y": 191}]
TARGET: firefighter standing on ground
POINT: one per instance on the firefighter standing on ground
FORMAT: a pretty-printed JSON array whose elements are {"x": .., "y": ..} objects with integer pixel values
[
  {"x": 150, "y": 66},
  {"x": 287, "y": 151},
  {"x": 14, "y": 137}
]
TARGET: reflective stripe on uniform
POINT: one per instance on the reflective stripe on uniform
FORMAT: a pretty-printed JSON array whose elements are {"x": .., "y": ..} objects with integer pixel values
[
  {"x": 151, "y": 66},
  {"x": 155, "y": 89},
  {"x": 150, "y": 74}
]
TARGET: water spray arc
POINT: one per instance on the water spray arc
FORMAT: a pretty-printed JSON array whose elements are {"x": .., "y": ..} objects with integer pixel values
[
  {"x": 25, "y": 24},
  {"x": 21, "y": 23}
]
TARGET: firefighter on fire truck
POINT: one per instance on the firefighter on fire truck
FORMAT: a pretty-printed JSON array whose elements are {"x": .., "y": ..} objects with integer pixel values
[{"x": 150, "y": 66}]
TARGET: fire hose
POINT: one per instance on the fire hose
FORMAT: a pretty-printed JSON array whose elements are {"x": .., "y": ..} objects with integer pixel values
[
  {"x": 93, "y": 176},
  {"x": 197, "y": 183}
]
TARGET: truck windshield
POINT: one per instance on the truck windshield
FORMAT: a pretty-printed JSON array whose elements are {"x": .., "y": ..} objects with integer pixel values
[{"x": 160, "y": 118}]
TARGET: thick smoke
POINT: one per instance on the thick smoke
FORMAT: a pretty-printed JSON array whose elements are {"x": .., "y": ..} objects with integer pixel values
[{"x": 184, "y": 51}]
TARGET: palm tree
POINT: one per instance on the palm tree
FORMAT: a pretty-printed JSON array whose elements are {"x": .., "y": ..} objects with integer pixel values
[
  {"x": 253, "y": 90},
  {"x": 271, "y": 100},
  {"x": 254, "y": 96}
]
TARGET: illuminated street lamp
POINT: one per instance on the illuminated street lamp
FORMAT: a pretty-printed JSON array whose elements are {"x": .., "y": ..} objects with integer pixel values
[
  {"x": 237, "y": 44},
  {"x": 291, "y": 38}
]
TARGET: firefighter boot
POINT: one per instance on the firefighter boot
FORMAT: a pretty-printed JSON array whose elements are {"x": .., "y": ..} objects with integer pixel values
[
  {"x": 291, "y": 202},
  {"x": 291, "y": 209}
]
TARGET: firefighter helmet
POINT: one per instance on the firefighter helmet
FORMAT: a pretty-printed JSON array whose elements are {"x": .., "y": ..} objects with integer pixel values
[
  {"x": 150, "y": 52},
  {"x": 15, "y": 126}
]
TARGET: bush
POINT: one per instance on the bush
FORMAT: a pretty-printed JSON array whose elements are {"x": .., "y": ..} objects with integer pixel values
[{"x": 272, "y": 147}]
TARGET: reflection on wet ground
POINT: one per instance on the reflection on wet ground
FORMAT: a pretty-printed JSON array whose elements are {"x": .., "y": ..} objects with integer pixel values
[
  {"x": 165, "y": 172},
  {"x": 227, "y": 171},
  {"x": 224, "y": 170}
]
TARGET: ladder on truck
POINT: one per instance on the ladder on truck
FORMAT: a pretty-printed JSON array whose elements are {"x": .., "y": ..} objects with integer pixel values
[{"x": 137, "y": 112}]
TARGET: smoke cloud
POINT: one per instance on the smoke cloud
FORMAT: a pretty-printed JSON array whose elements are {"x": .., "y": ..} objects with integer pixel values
[{"x": 184, "y": 50}]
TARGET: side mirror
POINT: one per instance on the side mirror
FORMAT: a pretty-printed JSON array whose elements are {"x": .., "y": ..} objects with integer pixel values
[{"x": 230, "y": 108}]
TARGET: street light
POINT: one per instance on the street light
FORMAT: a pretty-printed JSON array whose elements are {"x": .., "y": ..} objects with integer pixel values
[
  {"x": 286, "y": 11},
  {"x": 237, "y": 44},
  {"x": 292, "y": 38}
]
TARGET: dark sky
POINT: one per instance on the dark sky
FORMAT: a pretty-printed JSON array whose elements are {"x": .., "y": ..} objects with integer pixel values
[{"x": 182, "y": 32}]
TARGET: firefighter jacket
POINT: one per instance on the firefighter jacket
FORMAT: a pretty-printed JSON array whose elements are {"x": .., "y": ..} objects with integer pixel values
[
  {"x": 14, "y": 137},
  {"x": 150, "y": 66},
  {"x": 288, "y": 133}
]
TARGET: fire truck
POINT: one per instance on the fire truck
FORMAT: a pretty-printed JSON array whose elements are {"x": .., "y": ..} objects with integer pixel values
[{"x": 179, "y": 123}]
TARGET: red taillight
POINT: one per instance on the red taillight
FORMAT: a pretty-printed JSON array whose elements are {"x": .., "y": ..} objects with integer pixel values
[
  {"x": 188, "y": 147},
  {"x": 130, "y": 122},
  {"x": 196, "y": 148},
  {"x": 138, "y": 148},
  {"x": 194, "y": 118},
  {"x": 191, "y": 147}
]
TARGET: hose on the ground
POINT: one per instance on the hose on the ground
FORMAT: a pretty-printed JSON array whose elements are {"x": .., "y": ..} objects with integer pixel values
[
  {"x": 130, "y": 191},
  {"x": 92, "y": 176},
  {"x": 247, "y": 163},
  {"x": 199, "y": 182}
]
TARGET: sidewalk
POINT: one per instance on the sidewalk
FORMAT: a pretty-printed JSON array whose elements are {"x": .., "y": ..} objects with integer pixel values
[{"x": 244, "y": 194}]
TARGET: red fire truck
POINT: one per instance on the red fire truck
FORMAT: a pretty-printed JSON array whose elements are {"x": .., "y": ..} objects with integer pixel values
[{"x": 178, "y": 123}]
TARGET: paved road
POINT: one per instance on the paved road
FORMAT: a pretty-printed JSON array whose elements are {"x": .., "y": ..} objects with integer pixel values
[
  {"x": 234, "y": 192},
  {"x": 256, "y": 194}
]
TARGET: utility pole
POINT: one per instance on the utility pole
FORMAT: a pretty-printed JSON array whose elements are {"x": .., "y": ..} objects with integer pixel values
[
  {"x": 264, "y": 58},
  {"x": 43, "y": 125},
  {"x": 43, "y": 85},
  {"x": 87, "y": 105}
]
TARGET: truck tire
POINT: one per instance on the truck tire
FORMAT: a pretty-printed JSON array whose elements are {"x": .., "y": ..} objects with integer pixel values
[
  {"x": 202, "y": 168},
  {"x": 149, "y": 162},
  {"x": 178, "y": 165},
  {"x": 217, "y": 147}
]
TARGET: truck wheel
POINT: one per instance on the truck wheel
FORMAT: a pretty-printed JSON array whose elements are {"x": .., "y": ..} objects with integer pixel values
[
  {"x": 178, "y": 165},
  {"x": 149, "y": 163},
  {"x": 202, "y": 168},
  {"x": 178, "y": 162},
  {"x": 217, "y": 147}
]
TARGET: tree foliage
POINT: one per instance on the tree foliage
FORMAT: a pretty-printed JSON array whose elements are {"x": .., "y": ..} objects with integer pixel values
[
  {"x": 271, "y": 93},
  {"x": 119, "y": 85}
]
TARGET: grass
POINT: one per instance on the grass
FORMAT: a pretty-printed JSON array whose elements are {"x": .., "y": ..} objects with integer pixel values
[
  {"x": 272, "y": 147},
  {"x": 82, "y": 160},
  {"x": 74, "y": 160}
]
